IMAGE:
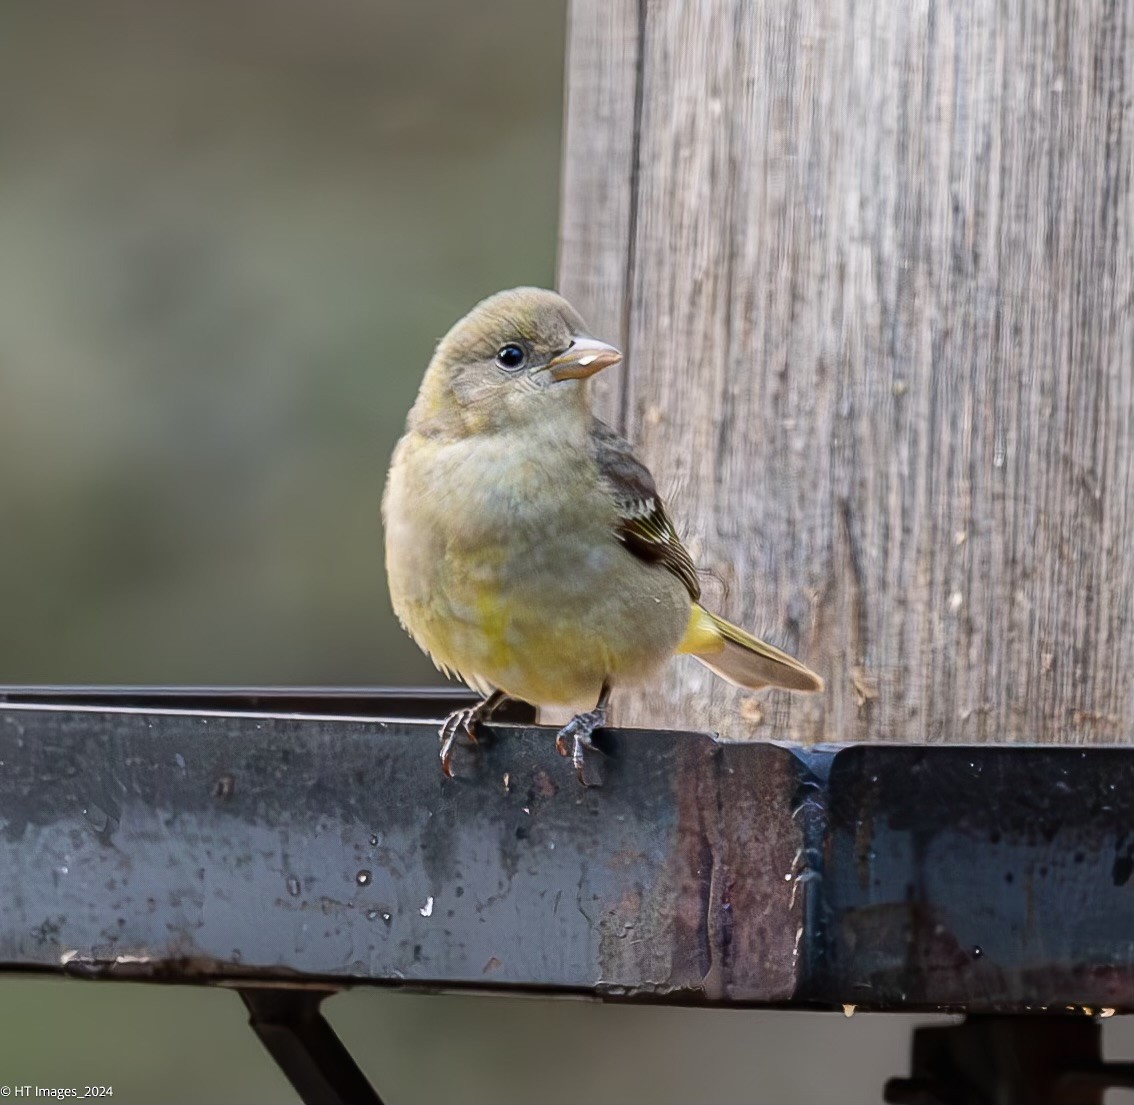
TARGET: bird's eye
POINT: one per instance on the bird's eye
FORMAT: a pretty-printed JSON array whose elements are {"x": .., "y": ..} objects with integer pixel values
[{"x": 510, "y": 356}]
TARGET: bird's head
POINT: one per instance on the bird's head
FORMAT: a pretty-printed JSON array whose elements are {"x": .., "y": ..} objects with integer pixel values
[{"x": 519, "y": 356}]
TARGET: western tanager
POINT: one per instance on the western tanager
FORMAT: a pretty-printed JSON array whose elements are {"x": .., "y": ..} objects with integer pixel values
[{"x": 527, "y": 548}]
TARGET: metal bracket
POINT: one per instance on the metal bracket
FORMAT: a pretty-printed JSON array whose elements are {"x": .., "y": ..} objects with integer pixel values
[
  {"x": 1019, "y": 1060},
  {"x": 291, "y": 1026}
]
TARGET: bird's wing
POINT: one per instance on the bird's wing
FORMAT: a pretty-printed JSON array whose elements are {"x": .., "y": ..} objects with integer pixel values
[{"x": 643, "y": 525}]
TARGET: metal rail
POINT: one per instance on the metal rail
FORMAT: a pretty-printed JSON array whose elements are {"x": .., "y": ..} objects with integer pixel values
[{"x": 306, "y": 839}]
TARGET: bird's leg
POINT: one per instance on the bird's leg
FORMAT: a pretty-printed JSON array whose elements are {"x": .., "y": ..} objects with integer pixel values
[
  {"x": 578, "y": 731},
  {"x": 463, "y": 723}
]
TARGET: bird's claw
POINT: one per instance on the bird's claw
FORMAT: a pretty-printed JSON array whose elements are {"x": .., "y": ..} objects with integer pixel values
[
  {"x": 575, "y": 739},
  {"x": 460, "y": 723}
]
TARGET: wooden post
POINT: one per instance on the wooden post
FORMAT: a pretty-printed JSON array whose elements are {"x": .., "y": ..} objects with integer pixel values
[{"x": 872, "y": 268}]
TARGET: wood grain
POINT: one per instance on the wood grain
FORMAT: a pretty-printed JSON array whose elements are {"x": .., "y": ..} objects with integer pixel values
[
  {"x": 600, "y": 156},
  {"x": 873, "y": 268}
]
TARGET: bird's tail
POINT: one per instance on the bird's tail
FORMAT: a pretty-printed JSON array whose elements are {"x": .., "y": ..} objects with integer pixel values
[{"x": 741, "y": 658}]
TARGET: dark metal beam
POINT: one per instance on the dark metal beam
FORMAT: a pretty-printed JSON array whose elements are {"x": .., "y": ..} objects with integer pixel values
[
  {"x": 289, "y": 1024},
  {"x": 402, "y": 702},
  {"x": 246, "y": 842},
  {"x": 1013, "y": 1060}
]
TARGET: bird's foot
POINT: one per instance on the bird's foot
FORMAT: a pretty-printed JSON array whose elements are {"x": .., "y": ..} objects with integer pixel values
[
  {"x": 575, "y": 740},
  {"x": 463, "y": 724},
  {"x": 459, "y": 724}
]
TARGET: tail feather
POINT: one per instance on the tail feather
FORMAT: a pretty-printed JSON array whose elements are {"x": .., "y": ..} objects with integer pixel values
[{"x": 741, "y": 658}]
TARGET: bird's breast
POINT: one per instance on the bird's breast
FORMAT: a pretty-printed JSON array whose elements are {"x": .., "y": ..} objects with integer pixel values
[
  {"x": 505, "y": 567},
  {"x": 473, "y": 523}
]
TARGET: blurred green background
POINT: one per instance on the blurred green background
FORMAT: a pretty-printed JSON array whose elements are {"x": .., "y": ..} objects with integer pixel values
[{"x": 230, "y": 233}]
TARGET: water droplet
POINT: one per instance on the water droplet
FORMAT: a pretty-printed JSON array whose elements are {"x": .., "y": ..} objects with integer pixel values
[
  {"x": 372, "y": 915},
  {"x": 373, "y": 840},
  {"x": 427, "y": 909},
  {"x": 363, "y": 877},
  {"x": 293, "y": 887},
  {"x": 978, "y": 951},
  {"x": 387, "y": 917},
  {"x": 97, "y": 817},
  {"x": 848, "y": 1010}
]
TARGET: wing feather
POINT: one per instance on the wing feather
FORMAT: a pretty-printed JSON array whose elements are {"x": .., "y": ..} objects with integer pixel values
[{"x": 644, "y": 527}]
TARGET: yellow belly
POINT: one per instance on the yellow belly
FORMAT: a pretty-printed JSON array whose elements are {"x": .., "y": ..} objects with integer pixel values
[{"x": 557, "y": 652}]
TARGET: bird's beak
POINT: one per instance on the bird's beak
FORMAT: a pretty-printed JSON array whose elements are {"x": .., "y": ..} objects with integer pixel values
[{"x": 583, "y": 357}]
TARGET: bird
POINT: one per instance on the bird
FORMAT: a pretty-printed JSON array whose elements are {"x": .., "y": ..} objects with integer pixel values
[{"x": 528, "y": 551}]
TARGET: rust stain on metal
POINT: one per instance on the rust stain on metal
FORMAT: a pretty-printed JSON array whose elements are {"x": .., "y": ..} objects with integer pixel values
[
  {"x": 753, "y": 842},
  {"x": 542, "y": 785},
  {"x": 720, "y": 921},
  {"x": 625, "y": 859},
  {"x": 666, "y": 952}
]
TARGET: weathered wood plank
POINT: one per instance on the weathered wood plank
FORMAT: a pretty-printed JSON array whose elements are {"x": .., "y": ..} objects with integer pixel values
[
  {"x": 600, "y": 152},
  {"x": 880, "y": 346}
]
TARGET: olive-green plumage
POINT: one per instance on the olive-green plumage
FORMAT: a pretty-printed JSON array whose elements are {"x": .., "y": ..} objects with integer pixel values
[{"x": 527, "y": 548}]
